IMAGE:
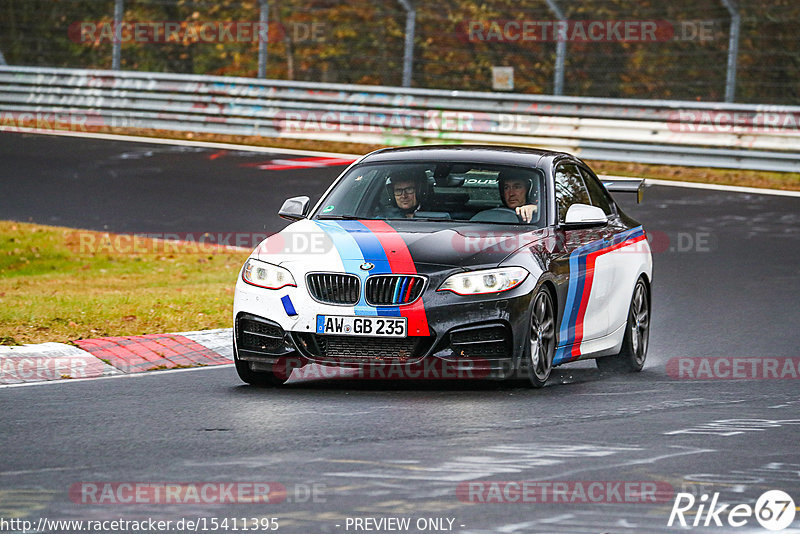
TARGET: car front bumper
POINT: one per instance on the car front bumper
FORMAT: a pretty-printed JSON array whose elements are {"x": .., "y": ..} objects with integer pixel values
[{"x": 478, "y": 336}]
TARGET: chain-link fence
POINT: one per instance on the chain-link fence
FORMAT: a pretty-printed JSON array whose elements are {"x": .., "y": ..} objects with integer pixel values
[{"x": 707, "y": 50}]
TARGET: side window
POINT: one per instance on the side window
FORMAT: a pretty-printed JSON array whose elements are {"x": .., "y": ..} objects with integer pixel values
[
  {"x": 597, "y": 192},
  {"x": 570, "y": 189}
]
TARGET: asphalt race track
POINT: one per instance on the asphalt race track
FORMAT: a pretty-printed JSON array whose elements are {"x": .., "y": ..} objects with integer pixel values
[
  {"x": 726, "y": 285},
  {"x": 131, "y": 187}
]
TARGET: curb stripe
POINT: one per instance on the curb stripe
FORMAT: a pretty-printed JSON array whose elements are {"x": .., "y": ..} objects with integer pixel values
[
  {"x": 52, "y": 362},
  {"x": 151, "y": 352},
  {"x": 218, "y": 341},
  {"x": 47, "y": 362}
]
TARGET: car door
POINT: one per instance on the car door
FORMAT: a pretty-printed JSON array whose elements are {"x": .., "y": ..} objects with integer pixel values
[
  {"x": 619, "y": 257},
  {"x": 585, "y": 315}
]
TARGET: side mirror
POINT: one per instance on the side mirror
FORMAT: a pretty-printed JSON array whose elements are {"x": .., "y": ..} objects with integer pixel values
[
  {"x": 585, "y": 215},
  {"x": 294, "y": 208}
]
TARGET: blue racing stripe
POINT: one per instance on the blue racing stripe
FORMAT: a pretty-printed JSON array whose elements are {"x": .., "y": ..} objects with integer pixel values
[
  {"x": 577, "y": 281},
  {"x": 372, "y": 251},
  {"x": 572, "y": 291},
  {"x": 351, "y": 256},
  {"x": 401, "y": 290}
]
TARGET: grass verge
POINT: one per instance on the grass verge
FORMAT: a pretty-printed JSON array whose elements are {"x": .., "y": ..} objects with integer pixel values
[{"x": 62, "y": 284}]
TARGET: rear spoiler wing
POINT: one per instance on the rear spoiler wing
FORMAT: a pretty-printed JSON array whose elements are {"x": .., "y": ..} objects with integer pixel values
[{"x": 625, "y": 185}]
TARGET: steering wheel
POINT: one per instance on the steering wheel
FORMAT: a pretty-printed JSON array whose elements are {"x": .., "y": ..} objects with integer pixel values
[{"x": 501, "y": 215}]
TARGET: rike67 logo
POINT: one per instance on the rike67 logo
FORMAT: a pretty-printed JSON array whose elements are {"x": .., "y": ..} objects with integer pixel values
[{"x": 774, "y": 510}]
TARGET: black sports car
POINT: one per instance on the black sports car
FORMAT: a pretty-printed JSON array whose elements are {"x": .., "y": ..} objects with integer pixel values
[{"x": 477, "y": 260}]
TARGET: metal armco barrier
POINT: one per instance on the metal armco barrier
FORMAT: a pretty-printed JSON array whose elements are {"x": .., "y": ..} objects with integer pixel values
[{"x": 720, "y": 135}]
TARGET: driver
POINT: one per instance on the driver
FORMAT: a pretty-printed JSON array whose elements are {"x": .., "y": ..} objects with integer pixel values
[
  {"x": 406, "y": 188},
  {"x": 517, "y": 194}
]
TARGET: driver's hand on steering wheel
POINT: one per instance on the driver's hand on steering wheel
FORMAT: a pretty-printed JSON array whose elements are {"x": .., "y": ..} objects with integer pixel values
[{"x": 526, "y": 212}]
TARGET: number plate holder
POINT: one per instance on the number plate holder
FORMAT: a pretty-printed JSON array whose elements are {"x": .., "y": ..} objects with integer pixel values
[{"x": 346, "y": 325}]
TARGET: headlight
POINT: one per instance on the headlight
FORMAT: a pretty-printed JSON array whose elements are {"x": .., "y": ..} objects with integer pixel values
[
  {"x": 262, "y": 274},
  {"x": 486, "y": 281}
]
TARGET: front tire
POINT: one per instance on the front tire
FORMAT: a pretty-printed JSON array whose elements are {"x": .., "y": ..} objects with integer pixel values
[
  {"x": 256, "y": 378},
  {"x": 541, "y": 342},
  {"x": 637, "y": 336}
]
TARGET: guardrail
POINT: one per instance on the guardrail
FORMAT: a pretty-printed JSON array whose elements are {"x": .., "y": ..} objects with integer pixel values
[{"x": 666, "y": 132}]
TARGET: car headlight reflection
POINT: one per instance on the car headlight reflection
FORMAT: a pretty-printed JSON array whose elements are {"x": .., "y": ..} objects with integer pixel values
[
  {"x": 267, "y": 275},
  {"x": 486, "y": 281}
]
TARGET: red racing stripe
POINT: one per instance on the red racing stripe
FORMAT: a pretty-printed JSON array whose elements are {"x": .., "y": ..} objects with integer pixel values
[
  {"x": 587, "y": 289},
  {"x": 400, "y": 262},
  {"x": 408, "y": 290}
]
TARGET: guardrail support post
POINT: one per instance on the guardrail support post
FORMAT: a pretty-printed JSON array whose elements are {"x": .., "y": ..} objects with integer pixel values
[
  {"x": 263, "y": 39},
  {"x": 733, "y": 49},
  {"x": 561, "y": 49},
  {"x": 408, "y": 56},
  {"x": 116, "y": 54}
]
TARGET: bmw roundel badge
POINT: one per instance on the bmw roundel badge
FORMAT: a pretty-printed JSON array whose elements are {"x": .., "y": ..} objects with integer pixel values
[{"x": 367, "y": 266}]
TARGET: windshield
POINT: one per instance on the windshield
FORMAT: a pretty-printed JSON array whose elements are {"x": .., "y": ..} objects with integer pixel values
[{"x": 464, "y": 192}]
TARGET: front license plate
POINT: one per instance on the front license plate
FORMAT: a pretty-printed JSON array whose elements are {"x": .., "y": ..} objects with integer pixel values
[{"x": 361, "y": 326}]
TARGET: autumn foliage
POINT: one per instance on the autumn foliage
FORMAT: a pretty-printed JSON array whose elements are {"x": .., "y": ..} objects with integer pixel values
[{"x": 361, "y": 41}]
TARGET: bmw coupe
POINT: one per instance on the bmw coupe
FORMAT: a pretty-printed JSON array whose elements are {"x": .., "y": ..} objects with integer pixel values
[{"x": 503, "y": 261}]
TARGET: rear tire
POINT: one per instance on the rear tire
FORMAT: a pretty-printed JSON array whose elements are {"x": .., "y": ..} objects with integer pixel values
[
  {"x": 540, "y": 347},
  {"x": 637, "y": 336},
  {"x": 255, "y": 378}
]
